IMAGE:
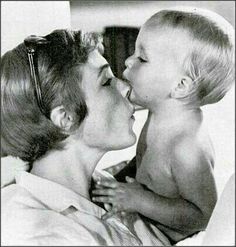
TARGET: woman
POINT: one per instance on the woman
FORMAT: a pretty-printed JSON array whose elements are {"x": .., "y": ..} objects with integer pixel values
[{"x": 62, "y": 110}]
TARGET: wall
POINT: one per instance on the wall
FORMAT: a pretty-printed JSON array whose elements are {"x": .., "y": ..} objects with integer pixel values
[
  {"x": 22, "y": 18},
  {"x": 95, "y": 15},
  {"x": 220, "y": 117}
]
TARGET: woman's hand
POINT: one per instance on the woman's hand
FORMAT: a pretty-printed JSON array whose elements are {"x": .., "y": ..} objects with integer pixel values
[
  {"x": 124, "y": 197},
  {"x": 10, "y": 166}
]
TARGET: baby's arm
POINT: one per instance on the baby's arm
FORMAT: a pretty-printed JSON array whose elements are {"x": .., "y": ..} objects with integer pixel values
[
  {"x": 10, "y": 166},
  {"x": 189, "y": 213},
  {"x": 186, "y": 214}
]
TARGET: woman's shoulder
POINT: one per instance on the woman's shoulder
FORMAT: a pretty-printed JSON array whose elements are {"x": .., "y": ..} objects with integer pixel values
[
  {"x": 19, "y": 206},
  {"x": 16, "y": 203},
  {"x": 14, "y": 215},
  {"x": 23, "y": 217},
  {"x": 10, "y": 167}
]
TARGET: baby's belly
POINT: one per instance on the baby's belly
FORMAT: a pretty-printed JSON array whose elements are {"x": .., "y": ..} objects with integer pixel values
[{"x": 158, "y": 180}]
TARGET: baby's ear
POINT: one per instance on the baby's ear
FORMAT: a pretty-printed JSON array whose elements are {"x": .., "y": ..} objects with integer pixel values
[
  {"x": 61, "y": 118},
  {"x": 182, "y": 89}
]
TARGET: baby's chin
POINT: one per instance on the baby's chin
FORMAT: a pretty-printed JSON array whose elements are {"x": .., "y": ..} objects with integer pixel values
[{"x": 134, "y": 99}]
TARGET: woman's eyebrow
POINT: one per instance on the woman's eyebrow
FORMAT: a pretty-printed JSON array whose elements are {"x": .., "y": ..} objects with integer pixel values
[{"x": 100, "y": 69}]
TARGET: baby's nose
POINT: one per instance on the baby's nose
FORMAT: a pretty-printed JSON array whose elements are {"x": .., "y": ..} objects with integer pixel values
[
  {"x": 123, "y": 87},
  {"x": 129, "y": 62}
]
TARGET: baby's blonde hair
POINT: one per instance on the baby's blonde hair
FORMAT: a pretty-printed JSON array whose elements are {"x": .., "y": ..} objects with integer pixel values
[{"x": 210, "y": 62}]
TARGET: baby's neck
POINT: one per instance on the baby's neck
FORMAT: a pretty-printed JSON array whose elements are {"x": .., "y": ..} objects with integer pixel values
[
  {"x": 172, "y": 112},
  {"x": 71, "y": 167}
]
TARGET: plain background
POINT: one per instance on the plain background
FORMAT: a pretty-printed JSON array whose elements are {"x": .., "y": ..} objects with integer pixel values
[{"x": 95, "y": 15}]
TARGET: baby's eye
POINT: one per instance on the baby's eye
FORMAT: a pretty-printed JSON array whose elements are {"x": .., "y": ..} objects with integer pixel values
[
  {"x": 107, "y": 82},
  {"x": 142, "y": 60}
]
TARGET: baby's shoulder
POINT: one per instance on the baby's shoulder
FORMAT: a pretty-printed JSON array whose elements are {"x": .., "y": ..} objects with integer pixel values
[{"x": 193, "y": 154}]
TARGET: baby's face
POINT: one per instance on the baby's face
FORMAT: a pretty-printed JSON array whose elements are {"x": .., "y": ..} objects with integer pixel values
[{"x": 156, "y": 66}]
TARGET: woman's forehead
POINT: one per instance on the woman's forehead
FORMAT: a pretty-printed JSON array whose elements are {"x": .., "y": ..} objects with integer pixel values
[{"x": 96, "y": 60}]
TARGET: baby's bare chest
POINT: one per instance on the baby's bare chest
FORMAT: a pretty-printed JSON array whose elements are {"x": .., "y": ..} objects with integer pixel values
[{"x": 154, "y": 158}]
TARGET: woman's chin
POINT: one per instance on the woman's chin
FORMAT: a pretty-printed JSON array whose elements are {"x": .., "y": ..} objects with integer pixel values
[
  {"x": 124, "y": 141},
  {"x": 130, "y": 140},
  {"x": 134, "y": 139},
  {"x": 131, "y": 134}
]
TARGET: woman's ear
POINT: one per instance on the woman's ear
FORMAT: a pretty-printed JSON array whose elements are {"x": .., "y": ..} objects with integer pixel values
[
  {"x": 182, "y": 89},
  {"x": 61, "y": 118}
]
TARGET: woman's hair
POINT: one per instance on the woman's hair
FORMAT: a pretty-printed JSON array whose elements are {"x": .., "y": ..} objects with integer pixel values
[
  {"x": 26, "y": 132},
  {"x": 210, "y": 61}
]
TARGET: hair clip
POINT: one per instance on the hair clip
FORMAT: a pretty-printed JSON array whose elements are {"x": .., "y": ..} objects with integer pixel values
[
  {"x": 31, "y": 44},
  {"x": 33, "y": 41}
]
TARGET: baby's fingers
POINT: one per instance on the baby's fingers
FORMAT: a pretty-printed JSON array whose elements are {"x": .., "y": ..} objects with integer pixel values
[
  {"x": 104, "y": 199},
  {"x": 106, "y": 192},
  {"x": 109, "y": 184},
  {"x": 129, "y": 179},
  {"x": 110, "y": 213},
  {"x": 98, "y": 186}
]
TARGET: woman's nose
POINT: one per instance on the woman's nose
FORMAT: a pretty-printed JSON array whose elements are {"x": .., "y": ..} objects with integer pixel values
[
  {"x": 129, "y": 62},
  {"x": 123, "y": 87}
]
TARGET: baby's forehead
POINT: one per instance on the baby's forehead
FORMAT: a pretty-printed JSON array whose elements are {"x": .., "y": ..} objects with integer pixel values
[
  {"x": 164, "y": 32},
  {"x": 153, "y": 38}
]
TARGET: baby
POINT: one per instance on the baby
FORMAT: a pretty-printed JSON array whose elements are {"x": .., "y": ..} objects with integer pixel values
[{"x": 183, "y": 59}]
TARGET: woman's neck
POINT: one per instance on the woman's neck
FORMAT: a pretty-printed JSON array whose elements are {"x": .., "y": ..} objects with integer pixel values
[{"x": 71, "y": 167}]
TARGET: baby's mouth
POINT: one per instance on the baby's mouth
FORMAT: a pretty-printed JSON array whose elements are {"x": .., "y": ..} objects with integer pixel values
[
  {"x": 123, "y": 77},
  {"x": 128, "y": 82}
]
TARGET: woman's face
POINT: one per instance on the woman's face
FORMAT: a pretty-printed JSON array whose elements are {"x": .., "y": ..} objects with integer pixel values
[{"x": 109, "y": 122}]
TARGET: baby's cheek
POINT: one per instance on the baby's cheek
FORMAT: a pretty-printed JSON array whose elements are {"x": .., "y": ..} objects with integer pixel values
[{"x": 138, "y": 73}]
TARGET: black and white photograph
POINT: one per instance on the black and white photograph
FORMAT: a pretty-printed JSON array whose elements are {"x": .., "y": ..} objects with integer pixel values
[{"x": 117, "y": 123}]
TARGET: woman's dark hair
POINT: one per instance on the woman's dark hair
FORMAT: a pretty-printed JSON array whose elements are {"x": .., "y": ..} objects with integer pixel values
[{"x": 26, "y": 132}]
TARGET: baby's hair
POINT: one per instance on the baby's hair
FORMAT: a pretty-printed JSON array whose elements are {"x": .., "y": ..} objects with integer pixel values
[{"x": 210, "y": 62}]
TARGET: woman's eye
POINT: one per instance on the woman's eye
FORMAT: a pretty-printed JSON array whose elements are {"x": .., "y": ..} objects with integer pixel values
[
  {"x": 142, "y": 60},
  {"x": 108, "y": 82}
]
